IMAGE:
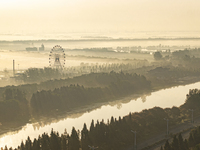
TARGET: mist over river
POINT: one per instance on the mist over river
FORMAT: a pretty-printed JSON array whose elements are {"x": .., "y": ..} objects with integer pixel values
[{"x": 65, "y": 63}]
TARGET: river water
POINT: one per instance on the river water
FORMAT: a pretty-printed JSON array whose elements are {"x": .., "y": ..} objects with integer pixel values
[{"x": 163, "y": 98}]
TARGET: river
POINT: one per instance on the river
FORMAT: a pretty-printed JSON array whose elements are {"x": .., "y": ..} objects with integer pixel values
[{"x": 169, "y": 97}]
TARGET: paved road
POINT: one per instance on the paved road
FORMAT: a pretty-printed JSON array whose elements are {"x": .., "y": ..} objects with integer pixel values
[
  {"x": 184, "y": 128},
  {"x": 181, "y": 128}
]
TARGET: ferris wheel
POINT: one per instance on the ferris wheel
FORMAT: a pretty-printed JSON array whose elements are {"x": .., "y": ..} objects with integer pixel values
[{"x": 57, "y": 57}]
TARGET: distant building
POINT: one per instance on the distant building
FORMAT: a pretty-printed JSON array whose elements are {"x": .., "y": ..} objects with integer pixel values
[
  {"x": 41, "y": 48},
  {"x": 31, "y": 49}
]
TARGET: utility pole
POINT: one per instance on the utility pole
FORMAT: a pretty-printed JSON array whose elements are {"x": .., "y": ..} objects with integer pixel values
[
  {"x": 167, "y": 125},
  {"x": 135, "y": 146},
  {"x": 13, "y": 67},
  {"x": 192, "y": 115}
]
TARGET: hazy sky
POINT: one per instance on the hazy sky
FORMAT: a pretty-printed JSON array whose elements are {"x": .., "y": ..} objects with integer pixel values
[{"x": 99, "y": 15}]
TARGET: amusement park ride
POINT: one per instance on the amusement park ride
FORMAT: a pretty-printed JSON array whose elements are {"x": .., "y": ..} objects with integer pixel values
[{"x": 57, "y": 57}]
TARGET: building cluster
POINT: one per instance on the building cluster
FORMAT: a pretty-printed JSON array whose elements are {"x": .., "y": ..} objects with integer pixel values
[{"x": 41, "y": 48}]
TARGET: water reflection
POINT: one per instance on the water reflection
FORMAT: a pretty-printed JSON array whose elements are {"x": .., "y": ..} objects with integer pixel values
[
  {"x": 119, "y": 106},
  {"x": 44, "y": 121},
  {"x": 163, "y": 98},
  {"x": 144, "y": 98}
]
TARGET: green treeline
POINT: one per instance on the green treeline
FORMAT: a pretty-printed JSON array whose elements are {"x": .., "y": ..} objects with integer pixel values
[
  {"x": 14, "y": 101},
  {"x": 74, "y": 96},
  {"x": 116, "y": 133},
  {"x": 87, "y": 80},
  {"x": 192, "y": 99},
  {"x": 36, "y": 75},
  {"x": 182, "y": 66},
  {"x": 177, "y": 144},
  {"x": 39, "y": 74},
  {"x": 14, "y": 106},
  {"x": 194, "y": 139},
  {"x": 184, "y": 59},
  {"x": 190, "y": 52},
  {"x": 192, "y": 143}
]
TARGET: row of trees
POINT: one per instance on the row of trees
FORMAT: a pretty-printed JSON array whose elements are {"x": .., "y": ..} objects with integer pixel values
[
  {"x": 190, "y": 52},
  {"x": 167, "y": 76},
  {"x": 43, "y": 74},
  {"x": 108, "y": 67},
  {"x": 194, "y": 138},
  {"x": 192, "y": 101},
  {"x": 118, "y": 84},
  {"x": 193, "y": 142},
  {"x": 158, "y": 77},
  {"x": 177, "y": 144},
  {"x": 39, "y": 74},
  {"x": 116, "y": 133},
  {"x": 69, "y": 97},
  {"x": 183, "y": 58},
  {"x": 14, "y": 106},
  {"x": 88, "y": 80}
]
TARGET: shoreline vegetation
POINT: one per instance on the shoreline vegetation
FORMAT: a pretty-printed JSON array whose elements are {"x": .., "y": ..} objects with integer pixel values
[
  {"x": 116, "y": 132},
  {"x": 15, "y": 126},
  {"x": 119, "y": 85},
  {"x": 192, "y": 142},
  {"x": 96, "y": 87}
]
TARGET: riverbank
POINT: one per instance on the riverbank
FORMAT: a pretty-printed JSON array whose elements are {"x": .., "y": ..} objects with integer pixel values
[
  {"x": 57, "y": 116},
  {"x": 147, "y": 122},
  {"x": 85, "y": 111},
  {"x": 179, "y": 82}
]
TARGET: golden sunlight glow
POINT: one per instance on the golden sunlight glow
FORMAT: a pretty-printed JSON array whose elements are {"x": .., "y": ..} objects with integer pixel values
[
  {"x": 98, "y": 15},
  {"x": 11, "y": 3}
]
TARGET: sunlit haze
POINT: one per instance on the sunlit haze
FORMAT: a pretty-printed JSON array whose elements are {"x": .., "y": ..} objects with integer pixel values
[
  {"x": 93, "y": 74},
  {"x": 51, "y": 16}
]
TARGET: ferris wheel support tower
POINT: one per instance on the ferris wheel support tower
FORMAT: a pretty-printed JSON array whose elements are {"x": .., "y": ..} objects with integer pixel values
[{"x": 57, "y": 57}]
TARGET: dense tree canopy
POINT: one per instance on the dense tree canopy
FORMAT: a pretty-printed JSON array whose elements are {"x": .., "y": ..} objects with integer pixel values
[
  {"x": 157, "y": 56},
  {"x": 69, "y": 97},
  {"x": 116, "y": 133},
  {"x": 14, "y": 106}
]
